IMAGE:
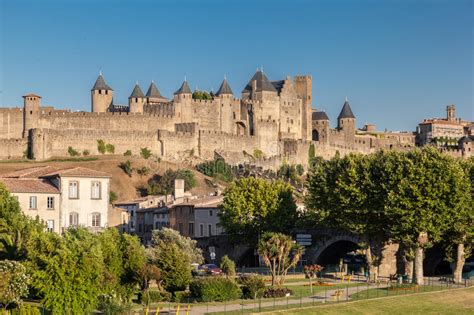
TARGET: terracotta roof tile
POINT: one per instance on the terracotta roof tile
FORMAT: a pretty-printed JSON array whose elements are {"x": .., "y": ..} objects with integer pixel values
[
  {"x": 22, "y": 185},
  {"x": 77, "y": 172},
  {"x": 31, "y": 172}
]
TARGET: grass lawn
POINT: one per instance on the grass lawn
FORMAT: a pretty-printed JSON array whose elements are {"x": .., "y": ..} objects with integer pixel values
[{"x": 441, "y": 302}]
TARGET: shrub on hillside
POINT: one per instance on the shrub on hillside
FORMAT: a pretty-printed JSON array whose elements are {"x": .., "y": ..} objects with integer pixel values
[
  {"x": 127, "y": 167},
  {"x": 110, "y": 148},
  {"x": 214, "y": 289},
  {"x": 145, "y": 153},
  {"x": 86, "y": 152},
  {"x": 143, "y": 171},
  {"x": 128, "y": 153},
  {"x": 164, "y": 185},
  {"x": 101, "y": 147},
  {"x": 274, "y": 292},
  {"x": 253, "y": 286},
  {"x": 72, "y": 152},
  {"x": 218, "y": 169}
]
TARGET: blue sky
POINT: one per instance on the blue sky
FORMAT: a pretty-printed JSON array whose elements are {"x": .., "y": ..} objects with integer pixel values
[{"x": 397, "y": 61}]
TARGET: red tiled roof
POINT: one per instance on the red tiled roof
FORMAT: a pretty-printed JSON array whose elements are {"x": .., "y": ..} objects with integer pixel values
[
  {"x": 22, "y": 185},
  {"x": 31, "y": 172},
  {"x": 77, "y": 172}
]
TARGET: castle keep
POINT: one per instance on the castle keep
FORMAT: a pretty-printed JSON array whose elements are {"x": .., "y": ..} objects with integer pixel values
[{"x": 273, "y": 117}]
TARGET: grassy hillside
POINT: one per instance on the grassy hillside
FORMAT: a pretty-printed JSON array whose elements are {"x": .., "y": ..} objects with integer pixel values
[{"x": 124, "y": 186}]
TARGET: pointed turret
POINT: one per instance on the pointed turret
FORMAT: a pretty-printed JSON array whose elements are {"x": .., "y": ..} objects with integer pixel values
[
  {"x": 136, "y": 100},
  {"x": 153, "y": 91},
  {"x": 262, "y": 83},
  {"x": 346, "y": 111},
  {"x": 137, "y": 92},
  {"x": 101, "y": 95},
  {"x": 184, "y": 89},
  {"x": 346, "y": 122},
  {"x": 224, "y": 88},
  {"x": 100, "y": 84}
]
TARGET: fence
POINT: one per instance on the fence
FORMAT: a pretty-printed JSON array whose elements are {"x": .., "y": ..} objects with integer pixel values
[{"x": 330, "y": 291}]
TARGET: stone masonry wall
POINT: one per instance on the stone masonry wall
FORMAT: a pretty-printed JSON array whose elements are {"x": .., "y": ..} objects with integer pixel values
[{"x": 13, "y": 148}]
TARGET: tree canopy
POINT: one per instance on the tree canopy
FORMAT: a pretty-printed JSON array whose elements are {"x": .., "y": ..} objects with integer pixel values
[{"x": 252, "y": 206}]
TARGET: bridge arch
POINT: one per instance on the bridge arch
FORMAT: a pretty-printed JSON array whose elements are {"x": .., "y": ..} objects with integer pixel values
[{"x": 341, "y": 243}]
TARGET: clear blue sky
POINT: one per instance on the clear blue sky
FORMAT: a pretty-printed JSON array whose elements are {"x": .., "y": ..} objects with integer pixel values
[{"x": 397, "y": 61}]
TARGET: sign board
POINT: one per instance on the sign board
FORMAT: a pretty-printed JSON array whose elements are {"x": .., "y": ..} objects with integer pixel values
[
  {"x": 304, "y": 239},
  {"x": 304, "y": 243},
  {"x": 303, "y": 236},
  {"x": 213, "y": 255}
]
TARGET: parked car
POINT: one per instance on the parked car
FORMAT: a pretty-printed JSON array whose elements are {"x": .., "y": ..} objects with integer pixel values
[{"x": 211, "y": 269}]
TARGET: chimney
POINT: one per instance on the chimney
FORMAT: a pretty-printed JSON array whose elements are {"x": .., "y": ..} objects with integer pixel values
[{"x": 178, "y": 188}]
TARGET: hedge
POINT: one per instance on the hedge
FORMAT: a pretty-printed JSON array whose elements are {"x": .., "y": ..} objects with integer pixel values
[{"x": 214, "y": 289}]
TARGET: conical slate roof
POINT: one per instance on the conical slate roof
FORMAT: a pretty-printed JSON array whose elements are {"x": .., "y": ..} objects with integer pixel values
[
  {"x": 263, "y": 84},
  {"x": 153, "y": 91},
  {"x": 100, "y": 84},
  {"x": 346, "y": 111},
  {"x": 224, "y": 88},
  {"x": 184, "y": 89},
  {"x": 137, "y": 92}
]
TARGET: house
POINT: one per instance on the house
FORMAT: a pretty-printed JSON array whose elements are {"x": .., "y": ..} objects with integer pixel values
[
  {"x": 197, "y": 218},
  {"x": 62, "y": 197}
]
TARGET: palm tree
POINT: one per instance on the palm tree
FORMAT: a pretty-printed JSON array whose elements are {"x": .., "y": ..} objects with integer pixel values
[{"x": 275, "y": 249}]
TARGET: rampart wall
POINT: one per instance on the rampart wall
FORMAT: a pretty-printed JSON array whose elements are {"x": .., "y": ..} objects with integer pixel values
[
  {"x": 211, "y": 141},
  {"x": 11, "y": 123},
  {"x": 47, "y": 143},
  {"x": 13, "y": 148}
]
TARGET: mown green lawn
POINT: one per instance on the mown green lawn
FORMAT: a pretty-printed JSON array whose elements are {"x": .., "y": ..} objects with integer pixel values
[{"x": 442, "y": 302}]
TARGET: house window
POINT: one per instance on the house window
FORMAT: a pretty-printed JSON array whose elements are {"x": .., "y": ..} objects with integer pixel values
[
  {"x": 95, "y": 190},
  {"x": 191, "y": 228},
  {"x": 73, "y": 190},
  {"x": 33, "y": 202},
  {"x": 73, "y": 219},
  {"x": 96, "y": 219},
  {"x": 210, "y": 213},
  {"x": 210, "y": 229},
  {"x": 201, "y": 229},
  {"x": 50, "y": 203},
  {"x": 50, "y": 225}
]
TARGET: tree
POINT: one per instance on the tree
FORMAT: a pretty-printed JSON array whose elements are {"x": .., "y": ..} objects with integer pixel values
[
  {"x": 101, "y": 146},
  {"x": 67, "y": 271},
  {"x": 185, "y": 244},
  {"x": 275, "y": 249},
  {"x": 134, "y": 260},
  {"x": 16, "y": 229},
  {"x": 165, "y": 184},
  {"x": 127, "y": 167},
  {"x": 311, "y": 271},
  {"x": 14, "y": 284},
  {"x": 252, "y": 206},
  {"x": 227, "y": 266},
  {"x": 426, "y": 201},
  {"x": 342, "y": 195},
  {"x": 174, "y": 265}
]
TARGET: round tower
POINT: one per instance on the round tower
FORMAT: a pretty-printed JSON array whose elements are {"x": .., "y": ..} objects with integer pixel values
[
  {"x": 346, "y": 122},
  {"x": 136, "y": 100},
  {"x": 101, "y": 96},
  {"x": 31, "y": 112}
]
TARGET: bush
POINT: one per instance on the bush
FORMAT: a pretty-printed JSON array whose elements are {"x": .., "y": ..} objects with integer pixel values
[
  {"x": 25, "y": 309},
  {"x": 275, "y": 292},
  {"x": 153, "y": 296},
  {"x": 101, "y": 147},
  {"x": 214, "y": 289},
  {"x": 145, "y": 153},
  {"x": 218, "y": 169},
  {"x": 110, "y": 148},
  {"x": 181, "y": 296},
  {"x": 228, "y": 266},
  {"x": 128, "y": 153},
  {"x": 164, "y": 185},
  {"x": 112, "y": 196},
  {"x": 86, "y": 152},
  {"x": 72, "y": 152},
  {"x": 175, "y": 267},
  {"x": 143, "y": 171},
  {"x": 258, "y": 154},
  {"x": 127, "y": 167},
  {"x": 253, "y": 286}
]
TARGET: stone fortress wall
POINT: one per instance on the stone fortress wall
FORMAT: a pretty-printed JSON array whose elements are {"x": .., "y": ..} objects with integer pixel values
[{"x": 275, "y": 117}]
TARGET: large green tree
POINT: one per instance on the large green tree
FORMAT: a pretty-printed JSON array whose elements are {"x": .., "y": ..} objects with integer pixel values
[
  {"x": 342, "y": 194},
  {"x": 252, "y": 206},
  {"x": 426, "y": 202},
  {"x": 185, "y": 244}
]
